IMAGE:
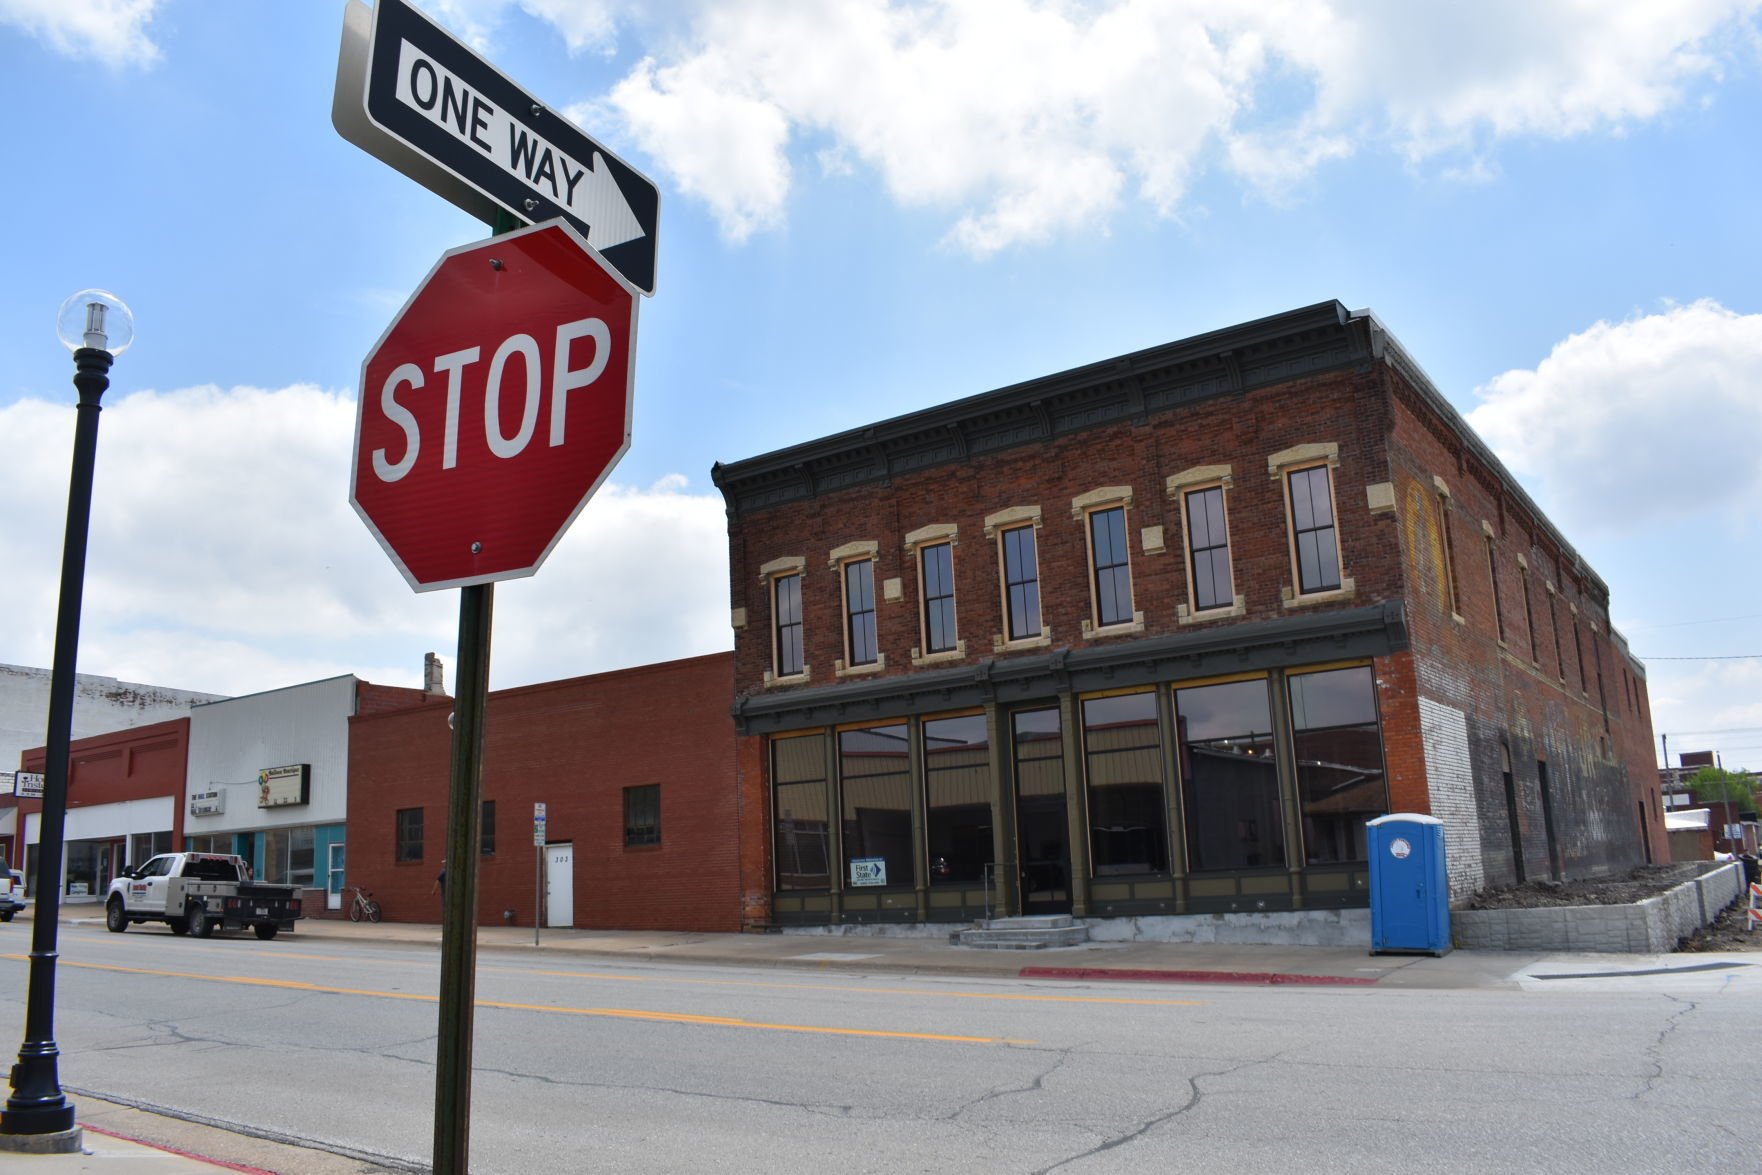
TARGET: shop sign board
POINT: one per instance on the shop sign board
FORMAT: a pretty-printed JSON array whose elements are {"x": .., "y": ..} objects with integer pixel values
[
  {"x": 868, "y": 871},
  {"x": 280, "y": 787}
]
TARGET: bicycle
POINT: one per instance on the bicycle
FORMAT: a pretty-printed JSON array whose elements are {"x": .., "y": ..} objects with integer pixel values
[{"x": 363, "y": 905}]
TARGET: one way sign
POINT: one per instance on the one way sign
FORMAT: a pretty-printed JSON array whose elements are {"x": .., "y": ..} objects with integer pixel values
[{"x": 450, "y": 120}]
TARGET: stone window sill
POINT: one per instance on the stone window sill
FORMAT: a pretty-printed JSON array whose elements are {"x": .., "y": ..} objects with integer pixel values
[{"x": 1346, "y": 591}]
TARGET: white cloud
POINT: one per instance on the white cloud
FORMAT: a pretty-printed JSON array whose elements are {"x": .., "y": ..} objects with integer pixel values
[
  {"x": 1649, "y": 421},
  {"x": 224, "y": 556},
  {"x": 1028, "y": 118},
  {"x": 113, "y": 31}
]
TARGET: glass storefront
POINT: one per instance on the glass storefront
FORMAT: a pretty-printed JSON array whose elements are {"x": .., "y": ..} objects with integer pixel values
[
  {"x": 957, "y": 790},
  {"x": 1229, "y": 779},
  {"x": 1122, "y": 753},
  {"x": 1227, "y": 802},
  {"x": 875, "y": 778},
  {"x": 802, "y": 838},
  {"x": 1339, "y": 748}
]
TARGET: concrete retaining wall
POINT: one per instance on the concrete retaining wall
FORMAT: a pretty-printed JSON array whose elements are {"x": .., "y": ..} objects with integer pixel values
[{"x": 1651, "y": 927}]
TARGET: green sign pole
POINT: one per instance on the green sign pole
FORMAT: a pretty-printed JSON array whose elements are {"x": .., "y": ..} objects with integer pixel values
[{"x": 458, "y": 987}]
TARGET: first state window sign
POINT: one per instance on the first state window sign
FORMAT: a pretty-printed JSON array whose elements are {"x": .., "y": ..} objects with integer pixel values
[{"x": 281, "y": 787}]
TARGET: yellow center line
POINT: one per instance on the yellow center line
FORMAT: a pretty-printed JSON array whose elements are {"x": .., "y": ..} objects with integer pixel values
[
  {"x": 610, "y": 1013},
  {"x": 957, "y": 995}
]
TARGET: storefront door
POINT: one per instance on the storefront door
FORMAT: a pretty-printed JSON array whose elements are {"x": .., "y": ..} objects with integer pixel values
[{"x": 1043, "y": 840}]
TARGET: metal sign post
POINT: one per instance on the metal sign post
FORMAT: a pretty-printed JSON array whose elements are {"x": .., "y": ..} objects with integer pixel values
[{"x": 538, "y": 876}]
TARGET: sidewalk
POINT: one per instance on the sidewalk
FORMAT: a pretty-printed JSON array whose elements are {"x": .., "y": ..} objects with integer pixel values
[{"x": 933, "y": 954}]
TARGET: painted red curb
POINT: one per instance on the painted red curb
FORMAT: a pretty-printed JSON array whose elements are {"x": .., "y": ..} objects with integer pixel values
[
  {"x": 1264, "y": 978},
  {"x": 183, "y": 1154}
]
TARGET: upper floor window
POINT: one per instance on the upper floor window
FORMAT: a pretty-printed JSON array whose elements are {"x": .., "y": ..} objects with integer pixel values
[
  {"x": 1021, "y": 583},
  {"x": 859, "y": 612},
  {"x": 786, "y": 609},
  {"x": 936, "y": 566},
  {"x": 408, "y": 835},
  {"x": 1313, "y": 540},
  {"x": 1208, "y": 548},
  {"x": 1452, "y": 595},
  {"x": 642, "y": 814},
  {"x": 1493, "y": 575},
  {"x": 1111, "y": 568}
]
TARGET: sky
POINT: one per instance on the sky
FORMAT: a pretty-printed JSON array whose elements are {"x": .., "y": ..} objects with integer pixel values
[{"x": 869, "y": 207}]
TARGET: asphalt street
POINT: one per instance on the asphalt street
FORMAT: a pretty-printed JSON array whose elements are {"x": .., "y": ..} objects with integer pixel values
[{"x": 775, "y": 1053}]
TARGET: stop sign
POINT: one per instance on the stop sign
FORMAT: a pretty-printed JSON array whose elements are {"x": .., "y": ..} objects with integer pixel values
[{"x": 493, "y": 407}]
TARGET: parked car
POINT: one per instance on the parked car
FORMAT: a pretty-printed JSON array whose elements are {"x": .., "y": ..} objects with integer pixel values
[{"x": 11, "y": 893}]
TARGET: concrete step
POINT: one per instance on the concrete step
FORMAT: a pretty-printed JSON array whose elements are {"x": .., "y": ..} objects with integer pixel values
[
  {"x": 1031, "y": 922},
  {"x": 1030, "y": 933}
]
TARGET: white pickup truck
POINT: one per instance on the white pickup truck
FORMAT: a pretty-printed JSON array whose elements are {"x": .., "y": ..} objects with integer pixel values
[{"x": 196, "y": 893}]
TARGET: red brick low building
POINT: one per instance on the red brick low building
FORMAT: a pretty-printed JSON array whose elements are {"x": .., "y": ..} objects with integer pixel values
[
  {"x": 124, "y": 803},
  {"x": 1158, "y": 635},
  {"x": 636, "y": 770}
]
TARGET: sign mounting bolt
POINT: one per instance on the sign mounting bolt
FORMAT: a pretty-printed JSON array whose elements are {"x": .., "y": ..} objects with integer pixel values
[
  {"x": 496, "y": 263},
  {"x": 531, "y": 205},
  {"x": 537, "y": 109},
  {"x": 477, "y": 548}
]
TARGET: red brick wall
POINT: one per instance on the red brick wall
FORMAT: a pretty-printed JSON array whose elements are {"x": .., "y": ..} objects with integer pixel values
[
  {"x": 573, "y": 745},
  {"x": 1241, "y": 431},
  {"x": 1517, "y": 692},
  {"x": 380, "y": 699},
  {"x": 136, "y": 763}
]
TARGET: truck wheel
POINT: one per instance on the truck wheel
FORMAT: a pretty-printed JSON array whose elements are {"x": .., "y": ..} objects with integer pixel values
[
  {"x": 115, "y": 917},
  {"x": 201, "y": 925},
  {"x": 7, "y": 917},
  {"x": 265, "y": 930},
  {"x": 178, "y": 925}
]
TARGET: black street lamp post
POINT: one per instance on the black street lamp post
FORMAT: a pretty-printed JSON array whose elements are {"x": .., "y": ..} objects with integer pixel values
[{"x": 96, "y": 327}]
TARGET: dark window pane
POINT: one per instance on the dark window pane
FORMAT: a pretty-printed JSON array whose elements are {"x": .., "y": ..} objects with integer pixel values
[
  {"x": 642, "y": 815},
  {"x": 1339, "y": 748},
  {"x": 875, "y": 779},
  {"x": 486, "y": 829},
  {"x": 1208, "y": 544},
  {"x": 803, "y": 831},
  {"x": 787, "y": 595},
  {"x": 1123, "y": 757},
  {"x": 957, "y": 786},
  {"x": 1229, "y": 784},
  {"x": 1113, "y": 579},
  {"x": 1312, "y": 516},
  {"x": 1021, "y": 579},
  {"x": 859, "y": 608},
  {"x": 409, "y": 834},
  {"x": 938, "y": 564}
]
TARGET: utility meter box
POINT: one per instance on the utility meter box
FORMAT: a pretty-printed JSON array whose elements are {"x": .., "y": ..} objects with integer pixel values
[{"x": 1409, "y": 893}]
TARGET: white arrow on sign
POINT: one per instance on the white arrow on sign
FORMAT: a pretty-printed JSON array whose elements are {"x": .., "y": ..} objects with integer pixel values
[{"x": 585, "y": 189}]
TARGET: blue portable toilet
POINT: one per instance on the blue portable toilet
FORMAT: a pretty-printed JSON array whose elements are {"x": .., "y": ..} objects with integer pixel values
[{"x": 1409, "y": 893}]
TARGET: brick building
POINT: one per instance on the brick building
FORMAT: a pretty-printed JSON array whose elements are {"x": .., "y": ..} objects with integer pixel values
[
  {"x": 124, "y": 804},
  {"x": 1157, "y": 636},
  {"x": 636, "y": 768}
]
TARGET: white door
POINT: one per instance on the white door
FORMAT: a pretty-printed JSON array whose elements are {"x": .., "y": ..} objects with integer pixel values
[
  {"x": 333, "y": 877},
  {"x": 560, "y": 885}
]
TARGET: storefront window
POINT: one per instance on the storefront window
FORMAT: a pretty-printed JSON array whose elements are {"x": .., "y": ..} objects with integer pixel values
[
  {"x": 1339, "y": 747},
  {"x": 803, "y": 831},
  {"x": 875, "y": 779},
  {"x": 1123, "y": 754},
  {"x": 143, "y": 846},
  {"x": 288, "y": 856},
  {"x": 957, "y": 785},
  {"x": 1229, "y": 783}
]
